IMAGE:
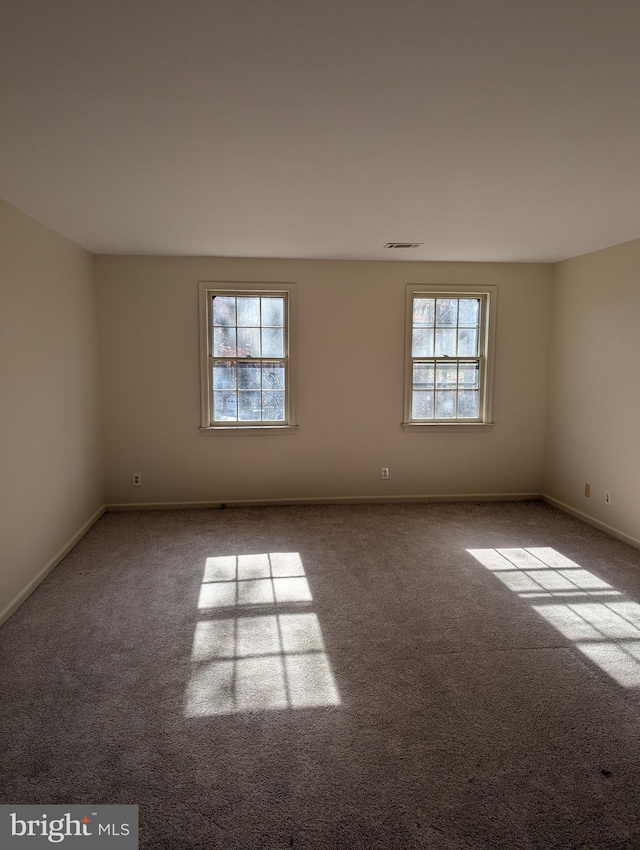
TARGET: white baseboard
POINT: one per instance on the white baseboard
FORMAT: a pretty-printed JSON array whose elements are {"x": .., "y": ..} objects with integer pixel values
[
  {"x": 596, "y": 523},
  {"x": 326, "y": 500},
  {"x": 17, "y": 600}
]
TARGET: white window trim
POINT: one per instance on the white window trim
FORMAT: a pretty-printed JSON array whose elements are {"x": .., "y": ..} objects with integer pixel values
[
  {"x": 209, "y": 288},
  {"x": 488, "y": 331}
]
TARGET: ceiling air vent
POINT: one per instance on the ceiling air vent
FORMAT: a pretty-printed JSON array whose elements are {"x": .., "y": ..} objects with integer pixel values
[{"x": 403, "y": 244}]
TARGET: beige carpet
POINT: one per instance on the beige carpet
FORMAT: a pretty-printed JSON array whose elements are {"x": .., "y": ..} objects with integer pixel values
[{"x": 388, "y": 676}]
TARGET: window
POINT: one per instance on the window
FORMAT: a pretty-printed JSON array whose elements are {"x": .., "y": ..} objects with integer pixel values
[
  {"x": 246, "y": 366},
  {"x": 450, "y": 333}
]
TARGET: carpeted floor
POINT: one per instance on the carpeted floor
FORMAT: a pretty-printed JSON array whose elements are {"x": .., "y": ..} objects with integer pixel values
[{"x": 335, "y": 677}]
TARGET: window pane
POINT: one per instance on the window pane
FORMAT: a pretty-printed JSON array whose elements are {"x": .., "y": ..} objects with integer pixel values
[
  {"x": 447, "y": 347},
  {"x": 446, "y": 311},
  {"x": 248, "y": 406},
  {"x": 422, "y": 407},
  {"x": 422, "y": 345},
  {"x": 445, "y": 342},
  {"x": 467, "y": 342},
  {"x": 224, "y": 310},
  {"x": 446, "y": 375},
  {"x": 224, "y": 375},
  {"x": 469, "y": 375},
  {"x": 424, "y": 311},
  {"x": 272, "y": 342},
  {"x": 249, "y": 376},
  {"x": 224, "y": 342},
  {"x": 248, "y": 351},
  {"x": 248, "y": 312},
  {"x": 273, "y": 406},
  {"x": 468, "y": 404},
  {"x": 273, "y": 312},
  {"x": 248, "y": 342},
  {"x": 273, "y": 376},
  {"x": 423, "y": 375},
  {"x": 225, "y": 407},
  {"x": 445, "y": 404},
  {"x": 469, "y": 314}
]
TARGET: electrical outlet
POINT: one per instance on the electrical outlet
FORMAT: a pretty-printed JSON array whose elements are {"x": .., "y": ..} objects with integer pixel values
[
  {"x": 587, "y": 490},
  {"x": 608, "y": 499},
  {"x": 136, "y": 479},
  {"x": 384, "y": 472}
]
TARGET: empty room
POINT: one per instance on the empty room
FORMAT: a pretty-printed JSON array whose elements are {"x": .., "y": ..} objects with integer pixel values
[{"x": 319, "y": 416}]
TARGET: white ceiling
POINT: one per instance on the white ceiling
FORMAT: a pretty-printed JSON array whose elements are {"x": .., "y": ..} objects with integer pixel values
[{"x": 487, "y": 129}]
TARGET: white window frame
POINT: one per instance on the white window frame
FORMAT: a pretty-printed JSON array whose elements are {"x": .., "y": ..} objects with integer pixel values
[
  {"x": 486, "y": 351},
  {"x": 208, "y": 289}
]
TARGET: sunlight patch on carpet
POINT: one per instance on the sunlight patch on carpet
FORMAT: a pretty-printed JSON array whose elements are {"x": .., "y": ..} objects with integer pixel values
[
  {"x": 260, "y": 647},
  {"x": 602, "y": 623}
]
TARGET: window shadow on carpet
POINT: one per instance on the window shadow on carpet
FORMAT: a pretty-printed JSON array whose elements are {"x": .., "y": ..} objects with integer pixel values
[
  {"x": 258, "y": 644},
  {"x": 601, "y": 621}
]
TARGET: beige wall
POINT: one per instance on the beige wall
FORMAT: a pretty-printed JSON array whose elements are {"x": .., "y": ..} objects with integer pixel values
[
  {"x": 594, "y": 401},
  {"x": 349, "y": 386},
  {"x": 51, "y": 482}
]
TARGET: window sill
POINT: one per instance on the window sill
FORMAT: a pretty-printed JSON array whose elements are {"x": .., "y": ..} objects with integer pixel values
[
  {"x": 249, "y": 429},
  {"x": 415, "y": 428}
]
